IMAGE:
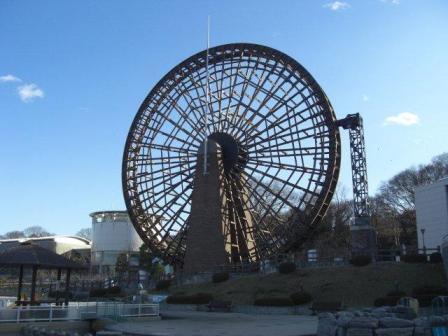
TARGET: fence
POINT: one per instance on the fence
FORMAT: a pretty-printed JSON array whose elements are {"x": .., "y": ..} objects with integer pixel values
[
  {"x": 78, "y": 311},
  {"x": 271, "y": 265}
]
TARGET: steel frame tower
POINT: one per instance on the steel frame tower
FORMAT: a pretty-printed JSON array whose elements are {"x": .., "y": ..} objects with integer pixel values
[{"x": 362, "y": 232}]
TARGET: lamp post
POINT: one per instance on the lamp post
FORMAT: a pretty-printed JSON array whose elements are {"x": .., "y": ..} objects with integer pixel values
[{"x": 423, "y": 240}]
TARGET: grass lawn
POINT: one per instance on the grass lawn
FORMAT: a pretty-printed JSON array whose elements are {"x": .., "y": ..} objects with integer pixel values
[{"x": 354, "y": 286}]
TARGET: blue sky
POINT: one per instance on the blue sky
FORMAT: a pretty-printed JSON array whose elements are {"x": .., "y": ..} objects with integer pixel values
[{"x": 73, "y": 74}]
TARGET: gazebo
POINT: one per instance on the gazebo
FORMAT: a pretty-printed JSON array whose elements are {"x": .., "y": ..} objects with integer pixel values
[{"x": 28, "y": 254}]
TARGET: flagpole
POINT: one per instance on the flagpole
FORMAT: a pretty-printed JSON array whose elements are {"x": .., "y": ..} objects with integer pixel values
[{"x": 207, "y": 89}]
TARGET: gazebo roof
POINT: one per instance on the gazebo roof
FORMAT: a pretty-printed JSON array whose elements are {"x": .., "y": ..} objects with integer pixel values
[{"x": 29, "y": 254}]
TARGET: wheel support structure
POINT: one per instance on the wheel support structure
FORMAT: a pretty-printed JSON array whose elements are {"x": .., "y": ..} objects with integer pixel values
[{"x": 363, "y": 237}]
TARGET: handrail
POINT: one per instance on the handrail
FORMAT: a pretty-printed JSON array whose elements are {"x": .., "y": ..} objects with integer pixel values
[{"x": 78, "y": 311}]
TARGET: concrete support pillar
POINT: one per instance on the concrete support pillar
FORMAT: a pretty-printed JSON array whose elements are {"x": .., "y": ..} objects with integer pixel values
[
  {"x": 205, "y": 239},
  {"x": 363, "y": 238}
]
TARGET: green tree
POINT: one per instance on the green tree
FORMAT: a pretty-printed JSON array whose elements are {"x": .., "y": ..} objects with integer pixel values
[
  {"x": 122, "y": 268},
  {"x": 145, "y": 258}
]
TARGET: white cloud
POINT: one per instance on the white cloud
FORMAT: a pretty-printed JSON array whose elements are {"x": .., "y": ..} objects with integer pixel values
[
  {"x": 365, "y": 97},
  {"x": 28, "y": 92},
  {"x": 404, "y": 119},
  {"x": 337, "y": 5},
  {"x": 9, "y": 78}
]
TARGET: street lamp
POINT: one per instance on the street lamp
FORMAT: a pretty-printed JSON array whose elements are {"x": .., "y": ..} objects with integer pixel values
[{"x": 423, "y": 240}]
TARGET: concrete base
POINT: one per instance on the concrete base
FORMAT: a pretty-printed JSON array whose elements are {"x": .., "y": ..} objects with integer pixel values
[
  {"x": 219, "y": 324},
  {"x": 363, "y": 238},
  {"x": 14, "y": 328}
]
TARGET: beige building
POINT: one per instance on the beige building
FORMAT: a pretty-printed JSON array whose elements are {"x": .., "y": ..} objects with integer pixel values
[{"x": 57, "y": 244}]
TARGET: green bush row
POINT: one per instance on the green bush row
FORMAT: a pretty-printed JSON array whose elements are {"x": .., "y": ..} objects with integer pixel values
[
  {"x": 361, "y": 260},
  {"x": 220, "y": 277},
  {"x": 434, "y": 258},
  {"x": 163, "y": 285},
  {"x": 102, "y": 292},
  {"x": 198, "y": 298},
  {"x": 424, "y": 295},
  {"x": 298, "y": 298},
  {"x": 286, "y": 267},
  {"x": 294, "y": 299},
  {"x": 274, "y": 301}
]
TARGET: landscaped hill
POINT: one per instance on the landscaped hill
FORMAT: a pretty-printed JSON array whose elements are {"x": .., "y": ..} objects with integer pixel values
[{"x": 354, "y": 286}]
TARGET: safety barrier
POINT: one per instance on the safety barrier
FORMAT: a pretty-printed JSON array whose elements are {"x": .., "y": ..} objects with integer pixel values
[{"x": 78, "y": 311}]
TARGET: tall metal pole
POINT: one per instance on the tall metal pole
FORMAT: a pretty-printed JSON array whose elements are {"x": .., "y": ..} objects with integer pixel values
[
  {"x": 19, "y": 289},
  {"x": 206, "y": 99}
]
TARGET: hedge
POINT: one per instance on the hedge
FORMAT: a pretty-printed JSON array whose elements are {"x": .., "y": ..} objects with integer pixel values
[
  {"x": 286, "y": 267},
  {"x": 163, "y": 284},
  {"x": 60, "y": 294},
  {"x": 414, "y": 258},
  {"x": 102, "y": 292},
  {"x": 435, "y": 258},
  {"x": 220, "y": 277},
  {"x": 274, "y": 302},
  {"x": 425, "y": 294},
  {"x": 301, "y": 297},
  {"x": 396, "y": 293},
  {"x": 386, "y": 301},
  {"x": 361, "y": 260},
  {"x": 430, "y": 290},
  {"x": 198, "y": 298}
]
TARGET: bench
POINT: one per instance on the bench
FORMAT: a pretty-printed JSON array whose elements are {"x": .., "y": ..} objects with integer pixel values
[
  {"x": 326, "y": 306},
  {"x": 222, "y": 305}
]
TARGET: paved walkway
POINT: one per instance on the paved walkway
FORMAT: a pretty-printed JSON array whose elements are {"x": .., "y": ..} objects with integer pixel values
[{"x": 221, "y": 324}]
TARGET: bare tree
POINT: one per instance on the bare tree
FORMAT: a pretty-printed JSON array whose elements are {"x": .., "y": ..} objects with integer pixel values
[
  {"x": 85, "y": 233},
  {"x": 36, "y": 232},
  {"x": 14, "y": 234},
  {"x": 394, "y": 205}
]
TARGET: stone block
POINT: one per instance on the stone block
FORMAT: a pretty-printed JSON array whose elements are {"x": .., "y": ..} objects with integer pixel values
[
  {"x": 343, "y": 321},
  {"x": 391, "y": 322},
  {"x": 341, "y": 331},
  {"x": 422, "y": 322},
  {"x": 326, "y": 316},
  {"x": 436, "y": 321},
  {"x": 403, "y": 312},
  {"x": 364, "y": 322},
  {"x": 395, "y": 332},
  {"x": 421, "y": 331},
  {"x": 381, "y": 312},
  {"x": 359, "y": 332},
  {"x": 327, "y": 325}
]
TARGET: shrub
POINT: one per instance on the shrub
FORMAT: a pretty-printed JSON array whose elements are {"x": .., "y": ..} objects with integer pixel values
[
  {"x": 97, "y": 292},
  {"x": 396, "y": 293},
  {"x": 435, "y": 258},
  {"x": 113, "y": 291},
  {"x": 424, "y": 300},
  {"x": 386, "y": 301},
  {"x": 430, "y": 290},
  {"x": 301, "y": 297},
  {"x": 198, "y": 298},
  {"x": 361, "y": 260},
  {"x": 163, "y": 284},
  {"x": 104, "y": 292},
  {"x": 274, "y": 301},
  {"x": 286, "y": 267},
  {"x": 60, "y": 294},
  {"x": 414, "y": 258},
  {"x": 425, "y": 294},
  {"x": 220, "y": 277}
]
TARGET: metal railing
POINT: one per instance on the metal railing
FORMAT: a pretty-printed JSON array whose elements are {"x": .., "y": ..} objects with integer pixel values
[{"x": 78, "y": 311}]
